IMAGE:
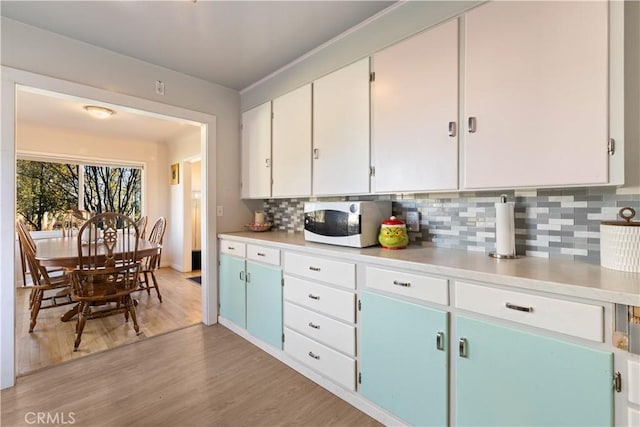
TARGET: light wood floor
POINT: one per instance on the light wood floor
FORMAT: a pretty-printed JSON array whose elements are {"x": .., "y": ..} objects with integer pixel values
[
  {"x": 51, "y": 342},
  {"x": 197, "y": 376}
]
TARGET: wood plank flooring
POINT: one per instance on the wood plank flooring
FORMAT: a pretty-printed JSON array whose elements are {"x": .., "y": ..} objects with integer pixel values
[
  {"x": 51, "y": 342},
  {"x": 197, "y": 376}
]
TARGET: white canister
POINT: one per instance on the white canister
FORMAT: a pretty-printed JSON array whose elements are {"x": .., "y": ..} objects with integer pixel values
[{"x": 620, "y": 243}]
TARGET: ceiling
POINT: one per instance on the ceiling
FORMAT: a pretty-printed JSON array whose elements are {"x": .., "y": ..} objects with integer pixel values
[{"x": 231, "y": 43}]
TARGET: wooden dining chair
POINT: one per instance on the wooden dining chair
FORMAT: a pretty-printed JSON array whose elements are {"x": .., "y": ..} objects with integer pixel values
[
  {"x": 72, "y": 220},
  {"x": 151, "y": 263},
  {"x": 107, "y": 270},
  {"x": 42, "y": 281},
  {"x": 142, "y": 226}
]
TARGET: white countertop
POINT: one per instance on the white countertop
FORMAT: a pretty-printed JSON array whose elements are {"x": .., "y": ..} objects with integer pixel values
[{"x": 568, "y": 278}]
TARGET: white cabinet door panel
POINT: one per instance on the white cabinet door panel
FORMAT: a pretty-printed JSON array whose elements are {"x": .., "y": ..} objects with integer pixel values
[
  {"x": 256, "y": 152},
  {"x": 414, "y": 98},
  {"x": 536, "y": 82},
  {"x": 292, "y": 144},
  {"x": 341, "y": 131}
]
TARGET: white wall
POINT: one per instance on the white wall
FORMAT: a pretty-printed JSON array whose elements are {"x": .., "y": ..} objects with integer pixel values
[
  {"x": 28, "y": 48},
  {"x": 178, "y": 237}
]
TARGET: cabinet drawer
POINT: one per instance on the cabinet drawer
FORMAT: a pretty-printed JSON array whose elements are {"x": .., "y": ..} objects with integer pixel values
[
  {"x": 568, "y": 317},
  {"x": 334, "y": 302},
  {"x": 262, "y": 254},
  {"x": 233, "y": 248},
  {"x": 333, "y": 365},
  {"x": 321, "y": 328},
  {"x": 335, "y": 272},
  {"x": 433, "y": 289}
]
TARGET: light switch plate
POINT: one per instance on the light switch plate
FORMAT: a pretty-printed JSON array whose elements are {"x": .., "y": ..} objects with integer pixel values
[{"x": 413, "y": 221}]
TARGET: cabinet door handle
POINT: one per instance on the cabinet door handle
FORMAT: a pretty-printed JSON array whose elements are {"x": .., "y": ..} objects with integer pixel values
[
  {"x": 248, "y": 277},
  {"x": 314, "y": 268},
  {"x": 313, "y": 325},
  {"x": 462, "y": 347},
  {"x": 440, "y": 341},
  {"x": 316, "y": 153},
  {"x": 315, "y": 297},
  {"x": 267, "y": 163},
  {"x": 518, "y": 307},
  {"x": 242, "y": 276},
  {"x": 403, "y": 284},
  {"x": 472, "y": 125},
  {"x": 315, "y": 356},
  {"x": 452, "y": 129}
]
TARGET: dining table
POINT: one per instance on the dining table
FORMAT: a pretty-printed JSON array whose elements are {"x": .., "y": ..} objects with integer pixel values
[{"x": 63, "y": 252}]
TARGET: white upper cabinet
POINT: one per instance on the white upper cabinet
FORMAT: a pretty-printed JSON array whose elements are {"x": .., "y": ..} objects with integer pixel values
[
  {"x": 291, "y": 145},
  {"x": 536, "y": 94},
  {"x": 415, "y": 111},
  {"x": 341, "y": 131},
  {"x": 256, "y": 152}
]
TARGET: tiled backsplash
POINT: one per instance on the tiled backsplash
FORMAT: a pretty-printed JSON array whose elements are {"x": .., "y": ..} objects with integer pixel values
[{"x": 549, "y": 223}]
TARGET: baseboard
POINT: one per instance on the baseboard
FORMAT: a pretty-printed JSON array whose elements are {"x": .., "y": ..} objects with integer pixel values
[{"x": 351, "y": 397}]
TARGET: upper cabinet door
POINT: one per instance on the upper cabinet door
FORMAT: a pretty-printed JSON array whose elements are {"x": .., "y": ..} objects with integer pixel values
[
  {"x": 256, "y": 152},
  {"x": 341, "y": 131},
  {"x": 291, "y": 144},
  {"x": 415, "y": 111},
  {"x": 536, "y": 94}
]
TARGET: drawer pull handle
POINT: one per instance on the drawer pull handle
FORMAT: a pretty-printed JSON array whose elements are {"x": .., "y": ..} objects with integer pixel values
[
  {"x": 313, "y": 325},
  {"x": 440, "y": 341},
  {"x": 314, "y": 268},
  {"x": 261, "y": 254},
  {"x": 518, "y": 307},
  {"x": 403, "y": 284},
  {"x": 315, "y": 356},
  {"x": 231, "y": 248},
  {"x": 315, "y": 297},
  {"x": 462, "y": 347}
]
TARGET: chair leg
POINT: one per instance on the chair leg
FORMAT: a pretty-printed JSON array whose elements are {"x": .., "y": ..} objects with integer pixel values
[
  {"x": 146, "y": 282},
  {"x": 131, "y": 309},
  {"x": 83, "y": 312},
  {"x": 35, "y": 308},
  {"x": 155, "y": 284}
]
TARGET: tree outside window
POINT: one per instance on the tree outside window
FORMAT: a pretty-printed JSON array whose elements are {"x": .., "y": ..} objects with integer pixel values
[{"x": 45, "y": 190}]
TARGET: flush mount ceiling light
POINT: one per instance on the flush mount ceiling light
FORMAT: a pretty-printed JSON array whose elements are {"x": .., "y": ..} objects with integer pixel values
[{"x": 99, "y": 112}]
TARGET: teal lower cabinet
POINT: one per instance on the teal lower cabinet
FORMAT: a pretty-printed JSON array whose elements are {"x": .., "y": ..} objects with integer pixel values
[
  {"x": 232, "y": 289},
  {"x": 404, "y": 359},
  {"x": 507, "y": 377},
  {"x": 264, "y": 303}
]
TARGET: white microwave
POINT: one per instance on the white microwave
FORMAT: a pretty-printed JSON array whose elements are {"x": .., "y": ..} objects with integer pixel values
[{"x": 354, "y": 224}]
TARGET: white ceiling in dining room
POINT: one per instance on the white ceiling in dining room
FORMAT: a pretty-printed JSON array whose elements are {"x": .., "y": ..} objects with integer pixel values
[{"x": 231, "y": 43}]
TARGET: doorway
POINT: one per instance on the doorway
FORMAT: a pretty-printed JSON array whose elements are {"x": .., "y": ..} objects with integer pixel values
[{"x": 15, "y": 80}]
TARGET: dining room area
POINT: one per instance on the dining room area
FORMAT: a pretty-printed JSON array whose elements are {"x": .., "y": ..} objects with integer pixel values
[{"x": 106, "y": 224}]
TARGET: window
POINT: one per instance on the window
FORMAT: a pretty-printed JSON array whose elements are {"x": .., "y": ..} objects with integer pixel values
[{"x": 47, "y": 189}]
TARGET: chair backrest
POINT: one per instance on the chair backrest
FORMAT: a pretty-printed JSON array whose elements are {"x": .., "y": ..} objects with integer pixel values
[
  {"x": 157, "y": 236},
  {"x": 107, "y": 240},
  {"x": 142, "y": 226},
  {"x": 38, "y": 273},
  {"x": 72, "y": 220}
]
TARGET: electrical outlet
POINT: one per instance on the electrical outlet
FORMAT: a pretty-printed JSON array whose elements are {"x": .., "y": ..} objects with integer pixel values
[
  {"x": 219, "y": 211},
  {"x": 413, "y": 221},
  {"x": 159, "y": 87}
]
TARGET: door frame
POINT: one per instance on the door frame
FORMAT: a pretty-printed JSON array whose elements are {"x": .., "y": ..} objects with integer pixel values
[{"x": 11, "y": 80}]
